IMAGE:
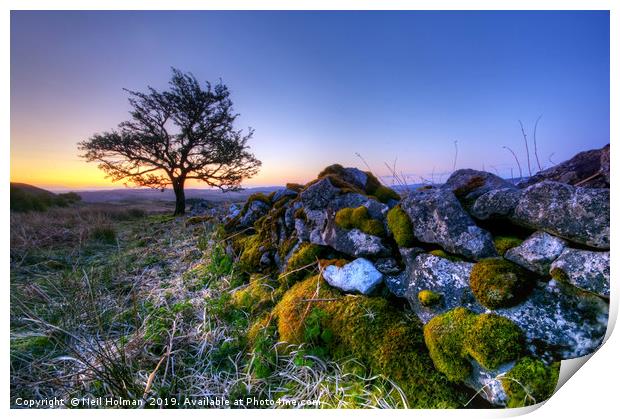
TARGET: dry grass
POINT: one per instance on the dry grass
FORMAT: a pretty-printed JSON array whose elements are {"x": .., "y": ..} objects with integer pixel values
[{"x": 127, "y": 320}]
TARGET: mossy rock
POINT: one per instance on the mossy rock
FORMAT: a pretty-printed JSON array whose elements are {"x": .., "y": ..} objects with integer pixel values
[
  {"x": 385, "y": 194},
  {"x": 493, "y": 340},
  {"x": 428, "y": 298},
  {"x": 348, "y": 218},
  {"x": 498, "y": 283},
  {"x": 266, "y": 199},
  {"x": 295, "y": 187},
  {"x": 445, "y": 339},
  {"x": 252, "y": 250},
  {"x": 370, "y": 330},
  {"x": 257, "y": 296},
  {"x": 458, "y": 334},
  {"x": 530, "y": 381},
  {"x": 401, "y": 227},
  {"x": 445, "y": 255},
  {"x": 505, "y": 243},
  {"x": 305, "y": 256}
]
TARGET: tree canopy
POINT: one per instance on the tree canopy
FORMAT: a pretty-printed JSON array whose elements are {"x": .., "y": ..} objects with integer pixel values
[{"x": 185, "y": 132}]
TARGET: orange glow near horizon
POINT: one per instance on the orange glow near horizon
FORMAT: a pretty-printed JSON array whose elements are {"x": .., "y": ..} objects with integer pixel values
[{"x": 61, "y": 173}]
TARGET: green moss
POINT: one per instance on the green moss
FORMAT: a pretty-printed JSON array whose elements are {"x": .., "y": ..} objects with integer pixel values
[
  {"x": 256, "y": 296},
  {"x": 443, "y": 254},
  {"x": 530, "y": 381},
  {"x": 497, "y": 283},
  {"x": 428, "y": 297},
  {"x": 505, "y": 243},
  {"x": 295, "y": 187},
  {"x": 249, "y": 261},
  {"x": 306, "y": 255},
  {"x": 401, "y": 227},
  {"x": 286, "y": 246},
  {"x": 455, "y": 336},
  {"x": 559, "y": 275},
  {"x": 372, "y": 183},
  {"x": 493, "y": 340},
  {"x": 372, "y": 331},
  {"x": 385, "y": 194},
  {"x": 445, "y": 339},
  {"x": 348, "y": 218},
  {"x": 259, "y": 197}
]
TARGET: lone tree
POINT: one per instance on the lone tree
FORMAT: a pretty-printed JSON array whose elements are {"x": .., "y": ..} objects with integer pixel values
[{"x": 182, "y": 133}]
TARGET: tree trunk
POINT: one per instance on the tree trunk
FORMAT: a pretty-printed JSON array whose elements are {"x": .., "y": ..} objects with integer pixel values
[{"x": 179, "y": 194}]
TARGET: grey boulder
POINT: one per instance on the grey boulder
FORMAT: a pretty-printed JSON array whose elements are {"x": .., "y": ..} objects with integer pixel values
[
  {"x": 498, "y": 203},
  {"x": 574, "y": 213},
  {"x": 584, "y": 269},
  {"x": 255, "y": 210},
  {"x": 468, "y": 184},
  {"x": 537, "y": 252},
  {"x": 352, "y": 242},
  {"x": 449, "y": 279},
  {"x": 588, "y": 168},
  {"x": 439, "y": 218},
  {"x": 359, "y": 276},
  {"x": 558, "y": 323}
]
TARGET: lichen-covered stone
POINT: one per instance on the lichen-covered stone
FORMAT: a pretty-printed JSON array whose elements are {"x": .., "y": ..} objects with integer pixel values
[
  {"x": 468, "y": 184},
  {"x": 580, "y": 169},
  {"x": 255, "y": 210},
  {"x": 354, "y": 242},
  {"x": 387, "y": 266},
  {"x": 359, "y": 275},
  {"x": 438, "y": 218},
  {"x": 284, "y": 193},
  {"x": 560, "y": 324},
  {"x": 450, "y": 279},
  {"x": 584, "y": 269},
  {"x": 318, "y": 195},
  {"x": 537, "y": 252},
  {"x": 574, "y": 213},
  {"x": 498, "y": 203}
]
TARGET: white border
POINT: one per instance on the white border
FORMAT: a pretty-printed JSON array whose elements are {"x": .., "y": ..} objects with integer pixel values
[{"x": 592, "y": 393}]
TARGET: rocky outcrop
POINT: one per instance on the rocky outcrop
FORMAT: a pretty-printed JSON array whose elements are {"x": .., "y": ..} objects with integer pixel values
[
  {"x": 578, "y": 214},
  {"x": 559, "y": 323},
  {"x": 252, "y": 213},
  {"x": 537, "y": 252},
  {"x": 584, "y": 269},
  {"x": 354, "y": 242},
  {"x": 448, "y": 279},
  {"x": 468, "y": 184},
  {"x": 359, "y": 276},
  {"x": 588, "y": 169},
  {"x": 439, "y": 218},
  {"x": 435, "y": 249},
  {"x": 496, "y": 204}
]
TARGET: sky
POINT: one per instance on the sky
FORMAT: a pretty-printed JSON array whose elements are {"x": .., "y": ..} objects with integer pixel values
[{"x": 320, "y": 87}]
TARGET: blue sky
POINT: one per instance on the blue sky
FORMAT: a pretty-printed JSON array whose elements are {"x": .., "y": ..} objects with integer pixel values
[{"x": 319, "y": 87}]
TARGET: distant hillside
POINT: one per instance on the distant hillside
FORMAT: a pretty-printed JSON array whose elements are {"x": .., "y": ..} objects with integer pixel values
[
  {"x": 26, "y": 197},
  {"x": 129, "y": 194}
]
